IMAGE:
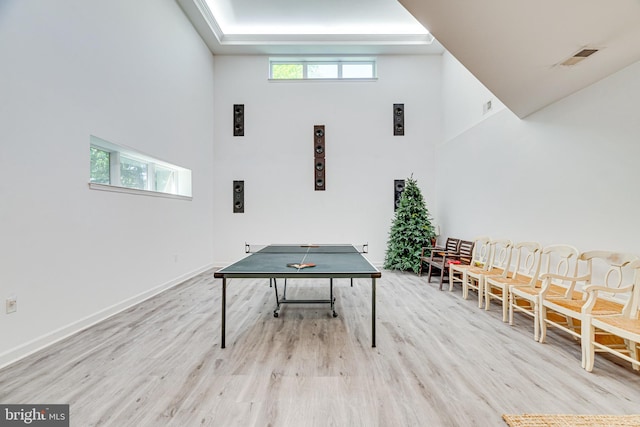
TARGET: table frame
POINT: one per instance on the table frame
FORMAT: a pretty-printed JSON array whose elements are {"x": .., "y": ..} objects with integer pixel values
[{"x": 297, "y": 275}]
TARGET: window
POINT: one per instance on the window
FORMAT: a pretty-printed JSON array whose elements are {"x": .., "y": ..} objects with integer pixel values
[
  {"x": 117, "y": 168},
  {"x": 166, "y": 180},
  {"x": 322, "y": 69},
  {"x": 99, "y": 166},
  {"x": 286, "y": 71},
  {"x": 133, "y": 173},
  {"x": 357, "y": 70}
]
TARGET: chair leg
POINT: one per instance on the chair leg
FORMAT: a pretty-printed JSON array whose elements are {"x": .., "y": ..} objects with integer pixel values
[
  {"x": 441, "y": 276},
  {"x": 451, "y": 272},
  {"x": 429, "y": 274},
  {"x": 634, "y": 353},
  {"x": 536, "y": 322},
  {"x": 465, "y": 285},
  {"x": 480, "y": 290},
  {"x": 487, "y": 297},
  {"x": 505, "y": 303},
  {"x": 512, "y": 301},
  {"x": 588, "y": 349},
  {"x": 541, "y": 313}
]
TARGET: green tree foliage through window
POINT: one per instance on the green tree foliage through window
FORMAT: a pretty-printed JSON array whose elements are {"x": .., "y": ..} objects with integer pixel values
[
  {"x": 99, "y": 166},
  {"x": 286, "y": 71},
  {"x": 411, "y": 230},
  {"x": 133, "y": 174}
]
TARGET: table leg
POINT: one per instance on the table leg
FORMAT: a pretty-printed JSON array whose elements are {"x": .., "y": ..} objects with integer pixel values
[
  {"x": 276, "y": 312},
  {"x": 224, "y": 309},
  {"x": 373, "y": 312},
  {"x": 332, "y": 300}
]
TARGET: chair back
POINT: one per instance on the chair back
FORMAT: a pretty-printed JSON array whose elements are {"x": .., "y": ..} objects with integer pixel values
[
  {"x": 465, "y": 252},
  {"x": 452, "y": 245},
  {"x": 481, "y": 251},
  {"x": 634, "y": 309},
  {"x": 527, "y": 261},
  {"x": 500, "y": 256},
  {"x": 559, "y": 259},
  {"x": 609, "y": 270}
]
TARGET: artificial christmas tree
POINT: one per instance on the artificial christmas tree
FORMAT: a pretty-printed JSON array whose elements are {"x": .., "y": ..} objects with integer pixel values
[{"x": 410, "y": 232}]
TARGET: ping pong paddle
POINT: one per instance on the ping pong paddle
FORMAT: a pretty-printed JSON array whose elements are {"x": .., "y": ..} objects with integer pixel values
[{"x": 301, "y": 265}]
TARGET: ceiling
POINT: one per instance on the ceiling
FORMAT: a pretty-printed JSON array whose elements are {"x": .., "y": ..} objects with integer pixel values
[
  {"x": 513, "y": 47},
  {"x": 308, "y": 27}
]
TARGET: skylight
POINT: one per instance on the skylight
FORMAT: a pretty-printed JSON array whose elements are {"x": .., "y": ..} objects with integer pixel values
[{"x": 313, "y": 17}]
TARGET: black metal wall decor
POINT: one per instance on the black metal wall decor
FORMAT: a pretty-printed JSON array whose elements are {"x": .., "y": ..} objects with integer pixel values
[
  {"x": 398, "y": 188},
  {"x": 238, "y": 196},
  {"x": 319, "y": 157},
  {"x": 398, "y": 119},
  {"x": 238, "y": 119}
]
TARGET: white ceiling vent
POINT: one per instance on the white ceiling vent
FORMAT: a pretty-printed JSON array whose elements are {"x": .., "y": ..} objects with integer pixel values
[{"x": 578, "y": 57}]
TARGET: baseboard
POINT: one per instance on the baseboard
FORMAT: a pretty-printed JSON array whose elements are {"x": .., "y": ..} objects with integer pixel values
[{"x": 12, "y": 356}]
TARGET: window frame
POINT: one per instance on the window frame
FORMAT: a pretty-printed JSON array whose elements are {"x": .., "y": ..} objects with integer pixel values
[
  {"x": 183, "y": 178},
  {"x": 340, "y": 62}
]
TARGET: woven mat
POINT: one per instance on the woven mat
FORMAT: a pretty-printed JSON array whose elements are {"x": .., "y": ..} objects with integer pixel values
[{"x": 543, "y": 420}]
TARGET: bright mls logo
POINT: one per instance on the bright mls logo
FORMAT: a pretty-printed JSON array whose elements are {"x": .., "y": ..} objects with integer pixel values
[{"x": 34, "y": 415}]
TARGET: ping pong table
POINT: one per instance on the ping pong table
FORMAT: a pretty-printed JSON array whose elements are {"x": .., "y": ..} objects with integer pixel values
[{"x": 302, "y": 262}]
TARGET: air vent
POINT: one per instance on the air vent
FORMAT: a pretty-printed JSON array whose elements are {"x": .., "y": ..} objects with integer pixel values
[{"x": 578, "y": 57}]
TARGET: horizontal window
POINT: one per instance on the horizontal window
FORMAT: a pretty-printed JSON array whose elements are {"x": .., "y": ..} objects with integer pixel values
[
  {"x": 322, "y": 69},
  {"x": 117, "y": 168}
]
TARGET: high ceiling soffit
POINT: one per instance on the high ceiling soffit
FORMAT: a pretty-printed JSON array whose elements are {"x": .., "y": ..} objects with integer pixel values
[
  {"x": 312, "y": 27},
  {"x": 517, "y": 48}
]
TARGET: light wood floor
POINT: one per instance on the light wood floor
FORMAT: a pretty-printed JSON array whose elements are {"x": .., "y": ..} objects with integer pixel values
[{"x": 439, "y": 361}]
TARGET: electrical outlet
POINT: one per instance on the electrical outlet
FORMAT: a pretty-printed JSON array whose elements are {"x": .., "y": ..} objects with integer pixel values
[{"x": 12, "y": 305}]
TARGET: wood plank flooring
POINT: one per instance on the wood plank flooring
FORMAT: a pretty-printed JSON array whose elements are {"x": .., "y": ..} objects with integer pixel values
[{"x": 439, "y": 361}]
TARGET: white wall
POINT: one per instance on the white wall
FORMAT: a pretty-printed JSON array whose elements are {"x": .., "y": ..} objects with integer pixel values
[
  {"x": 566, "y": 174},
  {"x": 133, "y": 73},
  {"x": 275, "y": 157},
  {"x": 464, "y": 103}
]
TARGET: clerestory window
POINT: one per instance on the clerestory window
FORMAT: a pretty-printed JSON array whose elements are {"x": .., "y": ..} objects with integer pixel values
[
  {"x": 122, "y": 169},
  {"x": 322, "y": 69}
]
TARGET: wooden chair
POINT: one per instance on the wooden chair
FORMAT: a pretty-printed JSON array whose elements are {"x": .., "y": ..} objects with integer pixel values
[
  {"x": 425, "y": 254},
  {"x": 558, "y": 259},
  {"x": 523, "y": 272},
  {"x": 479, "y": 256},
  {"x": 496, "y": 265},
  {"x": 624, "y": 325},
  {"x": 567, "y": 309},
  {"x": 462, "y": 261},
  {"x": 438, "y": 258}
]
